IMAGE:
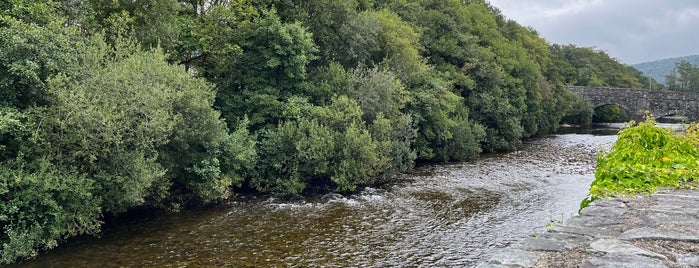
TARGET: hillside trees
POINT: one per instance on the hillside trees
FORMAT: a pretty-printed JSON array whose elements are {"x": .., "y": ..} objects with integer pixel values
[
  {"x": 684, "y": 77},
  {"x": 581, "y": 66}
]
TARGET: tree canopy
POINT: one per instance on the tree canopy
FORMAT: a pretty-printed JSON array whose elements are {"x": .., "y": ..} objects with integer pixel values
[{"x": 581, "y": 66}]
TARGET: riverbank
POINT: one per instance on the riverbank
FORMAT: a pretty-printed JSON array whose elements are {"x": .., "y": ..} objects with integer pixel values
[{"x": 660, "y": 230}]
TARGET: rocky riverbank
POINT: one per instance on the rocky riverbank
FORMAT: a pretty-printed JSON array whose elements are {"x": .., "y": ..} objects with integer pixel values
[{"x": 660, "y": 230}]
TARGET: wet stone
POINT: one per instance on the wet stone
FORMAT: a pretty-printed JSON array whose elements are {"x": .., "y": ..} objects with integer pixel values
[
  {"x": 622, "y": 261},
  {"x": 614, "y": 247},
  {"x": 610, "y": 211},
  {"x": 544, "y": 244},
  {"x": 673, "y": 202},
  {"x": 610, "y": 202},
  {"x": 586, "y": 231},
  {"x": 590, "y": 221},
  {"x": 687, "y": 261},
  {"x": 655, "y": 218},
  {"x": 657, "y": 234},
  {"x": 514, "y": 257},
  {"x": 684, "y": 210},
  {"x": 681, "y": 194},
  {"x": 651, "y": 231},
  {"x": 555, "y": 242}
]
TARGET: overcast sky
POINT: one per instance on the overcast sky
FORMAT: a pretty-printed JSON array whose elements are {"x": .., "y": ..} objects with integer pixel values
[{"x": 632, "y": 31}]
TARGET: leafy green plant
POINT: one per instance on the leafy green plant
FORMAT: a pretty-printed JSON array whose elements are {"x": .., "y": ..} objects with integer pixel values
[
  {"x": 644, "y": 158},
  {"x": 39, "y": 209},
  {"x": 322, "y": 147},
  {"x": 135, "y": 131}
]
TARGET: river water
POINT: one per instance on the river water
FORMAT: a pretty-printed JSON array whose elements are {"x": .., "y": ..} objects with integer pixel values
[{"x": 453, "y": 215}]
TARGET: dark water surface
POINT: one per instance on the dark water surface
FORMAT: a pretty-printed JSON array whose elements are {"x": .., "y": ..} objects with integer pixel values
[{"x": 452, "y": 215}]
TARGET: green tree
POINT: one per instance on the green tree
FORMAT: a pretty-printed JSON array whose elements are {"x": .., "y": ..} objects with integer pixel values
[
  {"x": 34, "y": 46},
  {"x": 443, "y": 121},
  {"x": 383, "y": 99},
  {"x": 461, "y": 41},
  {"x": 318, "y": 148},
  {"x": 377, "y": 92},
  {"x": 684, "y": 77},
  {"x": 257, "y": 61},
  {"x": 139, "y": 125},
  {"x": 583, "y": 66},
  {"x": 611, "y": 113},
  {"x": 40, "y": 208},
  {"x": 377, "y": 38},
  {"x": 325, "y": 19},
  {"x": 132, "y": 131}
]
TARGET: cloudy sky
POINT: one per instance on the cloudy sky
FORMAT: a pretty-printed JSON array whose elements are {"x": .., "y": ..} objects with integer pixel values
[{"x": 632, "y": 31}]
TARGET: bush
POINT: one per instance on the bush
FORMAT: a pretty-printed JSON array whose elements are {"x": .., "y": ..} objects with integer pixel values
[
  {"x": 39, "y": 209},
  {"x": 644, "y": 158},
  {"x": 133, "y": 131},
  {"x": 395, "y": 139},
  {"x": 445, "y": 131},
  {"x": 327, "y": 148}
]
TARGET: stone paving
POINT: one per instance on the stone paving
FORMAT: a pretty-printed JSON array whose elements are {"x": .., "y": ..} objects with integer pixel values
[{"x": 660, "y": 230}]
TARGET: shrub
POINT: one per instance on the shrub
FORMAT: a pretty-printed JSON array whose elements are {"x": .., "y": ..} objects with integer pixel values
[
  {"x": 133, "y": 131},
  {"x": 319, "y": 147},
  {"x": 39, "y": 209},
  {"x": 644, "y": 158}
]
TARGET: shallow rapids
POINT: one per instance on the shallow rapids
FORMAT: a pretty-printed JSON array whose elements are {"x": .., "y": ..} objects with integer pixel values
[{"x": 454, "y": 215}]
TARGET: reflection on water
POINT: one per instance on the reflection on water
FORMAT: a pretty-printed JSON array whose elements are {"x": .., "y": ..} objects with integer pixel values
[{"x": 453, "y": 215}]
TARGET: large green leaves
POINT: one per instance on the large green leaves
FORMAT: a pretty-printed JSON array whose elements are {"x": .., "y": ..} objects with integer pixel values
[{"x": 644, "y": 158}]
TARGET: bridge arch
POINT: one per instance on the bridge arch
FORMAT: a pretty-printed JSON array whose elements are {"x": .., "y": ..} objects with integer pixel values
[{"x": 637, "y": 101}]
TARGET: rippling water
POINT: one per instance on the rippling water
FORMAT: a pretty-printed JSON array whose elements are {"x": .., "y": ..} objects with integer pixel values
[{"x": 438, "y": 216}]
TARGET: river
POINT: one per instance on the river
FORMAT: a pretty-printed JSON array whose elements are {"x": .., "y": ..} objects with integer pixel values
[{"x": 452, "y": 215}]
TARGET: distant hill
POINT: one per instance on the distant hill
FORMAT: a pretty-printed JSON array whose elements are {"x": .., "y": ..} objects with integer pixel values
[{"x": 660, "y": 68}]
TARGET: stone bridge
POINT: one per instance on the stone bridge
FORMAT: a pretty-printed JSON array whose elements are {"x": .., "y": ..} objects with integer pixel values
[{"x": 637, "y": 101}]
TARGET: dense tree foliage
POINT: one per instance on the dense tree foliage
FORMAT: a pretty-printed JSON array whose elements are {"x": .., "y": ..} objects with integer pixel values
[
  {"x": 110, "y": 105},
  {"x": 582, "y": 66},
  {"x": 611, "y": 114},
  {"x": 34, "y": 45}
]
